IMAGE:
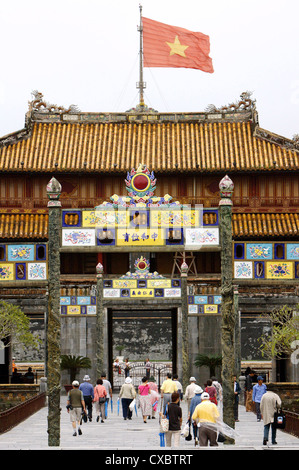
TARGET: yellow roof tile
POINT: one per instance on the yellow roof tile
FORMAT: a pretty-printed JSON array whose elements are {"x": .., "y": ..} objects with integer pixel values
[{"x": 182, "y": 146}]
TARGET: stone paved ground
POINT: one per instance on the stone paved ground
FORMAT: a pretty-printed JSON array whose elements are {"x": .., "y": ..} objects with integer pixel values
[{"x": 118, "y": 434}]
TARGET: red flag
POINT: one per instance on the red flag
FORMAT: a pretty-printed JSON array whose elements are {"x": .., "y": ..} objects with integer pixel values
[{"x": 171, "y": 46}]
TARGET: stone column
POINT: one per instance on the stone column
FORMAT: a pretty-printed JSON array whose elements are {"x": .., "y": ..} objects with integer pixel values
[
  {"x": 226, "y": 187},
  {"x": 100, "y": 322},
  {"x": 53, "y": 327},
  {"x": 237, "y": 333},
  {"x": 185, "y": 327}
]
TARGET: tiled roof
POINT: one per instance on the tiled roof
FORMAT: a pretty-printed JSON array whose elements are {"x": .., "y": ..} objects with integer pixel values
[
  {"x": 265, "y": 225},
  {"x": 20, "y": 225},
  {"x": 181, "y": 146}
]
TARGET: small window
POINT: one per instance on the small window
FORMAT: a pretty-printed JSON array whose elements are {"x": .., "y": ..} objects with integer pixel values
[
  {"x": 259, "y": 269},
  {"x": 239, "y": 251},
  {"x": 41, "y": 252},
  {"x": 20, "y": 271},
  {"x": 279, "y": 251}
]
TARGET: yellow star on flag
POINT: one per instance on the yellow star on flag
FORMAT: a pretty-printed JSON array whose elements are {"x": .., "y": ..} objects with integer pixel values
[{"x": 177, "y": 48}]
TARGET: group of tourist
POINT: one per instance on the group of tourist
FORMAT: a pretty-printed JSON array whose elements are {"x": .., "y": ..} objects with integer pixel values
[
  {"x": 81, "y": 398},
  {"x": 204, "y": 405}
]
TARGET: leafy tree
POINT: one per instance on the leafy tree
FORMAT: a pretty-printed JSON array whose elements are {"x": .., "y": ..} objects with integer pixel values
[
  {"x": 74, "y": 363},
  {"x": 211, "y": 362},
  {"x": 15, "y": 326},
  {"x": 284, "y": 335}
]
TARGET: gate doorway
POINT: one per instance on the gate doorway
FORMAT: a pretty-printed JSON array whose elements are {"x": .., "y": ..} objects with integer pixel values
[{"x": 142, "y": 334}]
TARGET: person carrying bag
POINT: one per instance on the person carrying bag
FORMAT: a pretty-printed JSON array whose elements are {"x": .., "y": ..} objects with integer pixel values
[{"x": 270, "y": 403}]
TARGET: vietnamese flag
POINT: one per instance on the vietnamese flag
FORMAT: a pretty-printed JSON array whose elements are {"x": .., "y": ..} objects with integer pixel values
[{"x": 171, "y": 46}]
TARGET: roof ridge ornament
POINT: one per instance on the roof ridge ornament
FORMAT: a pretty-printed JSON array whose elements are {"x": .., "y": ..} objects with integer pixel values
[
  {"x": 244, "y": 104},
  {"x": 40, "y": 105}
]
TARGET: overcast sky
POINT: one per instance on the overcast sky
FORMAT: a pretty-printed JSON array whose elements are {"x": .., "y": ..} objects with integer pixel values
[{"x": 87, "y": 53}]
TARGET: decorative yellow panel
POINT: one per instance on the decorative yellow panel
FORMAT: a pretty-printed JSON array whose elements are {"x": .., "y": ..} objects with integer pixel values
[
  {"x": 142, "y": 293},
  {"x": 159, "y": 283},
  {"x": 279, "y": 270},
  {"x": 6, "y": 271},
  {"x": 210, "y": 308},
  {"x": 140, "y": 237},
  {"x": 174, "y": 218},
  {"x": 124, "y": 283},
  {"x": 105, "y": 218},
  {"x": 74, "y": 309}
]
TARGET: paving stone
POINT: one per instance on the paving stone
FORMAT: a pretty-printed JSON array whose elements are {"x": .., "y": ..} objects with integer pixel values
[{"x": 117, "y": 434}]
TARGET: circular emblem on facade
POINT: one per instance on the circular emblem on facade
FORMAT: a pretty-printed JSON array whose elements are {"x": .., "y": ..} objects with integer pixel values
[
  {"x": 140, "y": 182},
  {"x": 142, "y": 265}
]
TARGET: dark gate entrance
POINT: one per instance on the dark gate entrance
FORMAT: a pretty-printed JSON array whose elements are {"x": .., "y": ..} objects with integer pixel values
[{"x": 142, "y": 334}]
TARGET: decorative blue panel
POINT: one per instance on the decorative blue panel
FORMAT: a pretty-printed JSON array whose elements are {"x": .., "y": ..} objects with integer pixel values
[
  {"x": 259, "y": 251},
  {"x": 200, "y": 299},
  {"x": 292, "y": 251},
  {"x": 65, "y": 300},
  {"x": 83, "y": 300},
  {"x": 20, "y": 252}
]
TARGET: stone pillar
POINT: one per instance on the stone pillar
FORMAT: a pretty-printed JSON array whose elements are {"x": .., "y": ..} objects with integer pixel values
[
  {"x": 237, "y": 333},
  {"x": 53, "y": 326},
  {"x": 226, "y": 187},
  {"x": 185, "y": 328},
  {"x": 100, "y": 322}
]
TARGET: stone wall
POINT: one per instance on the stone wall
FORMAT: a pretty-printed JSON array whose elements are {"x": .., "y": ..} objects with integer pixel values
[{"x": 18, "y": 392}]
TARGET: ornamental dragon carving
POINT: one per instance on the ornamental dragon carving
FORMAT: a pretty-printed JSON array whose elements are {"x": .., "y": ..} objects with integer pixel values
[
  {"x": 244, "y": 104},
  {"x": 40, "y": 105}
]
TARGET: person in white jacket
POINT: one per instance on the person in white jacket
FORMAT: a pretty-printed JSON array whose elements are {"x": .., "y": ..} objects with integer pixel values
[
  {"x": 189, "y": 392},
  {"x": 269, "y": 403}
]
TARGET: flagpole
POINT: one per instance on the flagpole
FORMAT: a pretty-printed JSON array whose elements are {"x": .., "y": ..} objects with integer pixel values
[{"x": 141, "y": 84}]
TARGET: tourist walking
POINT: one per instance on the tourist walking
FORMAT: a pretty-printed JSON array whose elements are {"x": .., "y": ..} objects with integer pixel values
[
  {"x": 108, "y": 388},
  {"x": 175, "y": 378},
  {"x": 154, "y": 396},
  {"x": 237, "y": 391},
  {"x": 211, "y": 390},
  {"x": 144, "y": 399},
  {"x": 270, "y": 403},
  {"x": 196, "y": 400},
  {"x": 189, "y": 392},
  {"x": 147, "y": 368},
  {"x": 127, "y": 394},
  {"x": 127, "y": 367},
  {"x": 168, "y": 387},
  {"x": 248, "y": 389},
  {"x": 219, "y": 391},
  {"x": 174, "y": 414},
  {"x": 74, "y": 405},
  {"x": 206, "y": 414},
  {"x": 100, "y": 398},
  {"x": 88, "y": 395},
  {"x": 258, "y": 391}
]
